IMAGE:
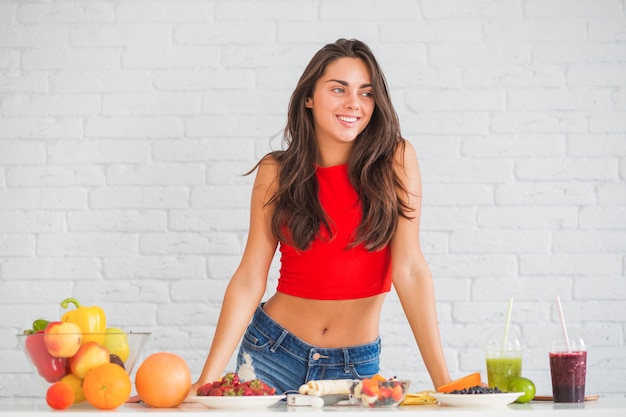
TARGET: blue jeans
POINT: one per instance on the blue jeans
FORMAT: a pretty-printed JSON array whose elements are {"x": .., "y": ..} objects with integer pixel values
[{"x": 272, "y": 354}]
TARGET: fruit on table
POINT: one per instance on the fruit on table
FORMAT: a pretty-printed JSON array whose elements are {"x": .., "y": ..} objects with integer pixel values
[
  {"x": 163, "y": 380},
  {"x": 62, "y": 339},
  {"x": 525, "y": 385},
  {"x": 379, "y": 391},
  {"x": 91, "y": 320},
  {"x": 466, "y": 381},
  {"x": 59, "y": 395},
  {"x": 48, "y": 367},
  {"x": 77, "y": 386},
  {"x": 478, "y": 389},
  {"x": 116, "y": 342},
  {"x": 231, "y": 385},
  {"x": 90, "y": 355},
  {"x": 107, "y": 386}
]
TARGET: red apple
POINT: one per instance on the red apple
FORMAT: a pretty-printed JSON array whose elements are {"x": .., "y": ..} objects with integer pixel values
[
  {"x": 62, "y": 339},
  {"x": 90, "y": 355}
]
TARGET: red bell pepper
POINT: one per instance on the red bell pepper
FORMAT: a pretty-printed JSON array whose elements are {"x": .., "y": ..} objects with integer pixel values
[{"x": 50, "y": 368}]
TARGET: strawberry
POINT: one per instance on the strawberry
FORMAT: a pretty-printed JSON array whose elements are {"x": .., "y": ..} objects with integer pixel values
[{"x": 231, "y": 379}]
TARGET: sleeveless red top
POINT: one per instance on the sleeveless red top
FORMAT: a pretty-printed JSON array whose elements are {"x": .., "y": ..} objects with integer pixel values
[{"x": 331, "y": 269}]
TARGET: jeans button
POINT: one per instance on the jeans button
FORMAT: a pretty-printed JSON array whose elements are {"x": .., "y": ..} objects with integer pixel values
[{"x": 316, "y": 356}]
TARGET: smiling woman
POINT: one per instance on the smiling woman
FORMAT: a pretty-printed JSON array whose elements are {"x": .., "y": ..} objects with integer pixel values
[{"x": 340, "y": 202}]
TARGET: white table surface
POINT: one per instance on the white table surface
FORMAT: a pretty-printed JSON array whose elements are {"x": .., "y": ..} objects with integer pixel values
[{"x": 609, "y": 406}]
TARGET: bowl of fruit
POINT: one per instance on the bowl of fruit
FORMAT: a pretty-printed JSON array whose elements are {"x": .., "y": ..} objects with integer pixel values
[
  {"x": 379, "y": 391},
  {"x": 68, "y": 349}
]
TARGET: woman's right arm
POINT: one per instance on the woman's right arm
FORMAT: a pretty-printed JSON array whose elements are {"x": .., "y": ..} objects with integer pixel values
[{"x": 247, "y": 285}]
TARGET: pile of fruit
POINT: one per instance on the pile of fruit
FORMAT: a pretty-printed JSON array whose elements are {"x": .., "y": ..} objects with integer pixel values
[
  {"x": 80, "y": 357},
  {"x": 231, "y": 385},
  {"x": 379, "y": 391},
  {"x": 471, "y": 384}
]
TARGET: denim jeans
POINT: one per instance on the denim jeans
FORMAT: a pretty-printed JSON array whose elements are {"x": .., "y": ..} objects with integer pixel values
[{"x": 272, "y": 354}]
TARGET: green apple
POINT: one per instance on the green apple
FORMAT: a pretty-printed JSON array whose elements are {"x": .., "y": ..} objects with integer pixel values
[{"x": 525, "y": 385}]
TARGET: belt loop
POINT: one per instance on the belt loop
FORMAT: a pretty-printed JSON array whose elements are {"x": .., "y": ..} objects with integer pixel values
[
  {"x": 279, "y": 341},
  {"x": 346, "y": 360}
]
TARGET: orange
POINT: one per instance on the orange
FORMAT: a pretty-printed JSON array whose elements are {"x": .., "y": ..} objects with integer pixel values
[
  {"x": 60, "y": 395},
  {"x": 163, "y": 380},
  {"x": 467, "y": 381},
  {"x": 107, "y": 386}
]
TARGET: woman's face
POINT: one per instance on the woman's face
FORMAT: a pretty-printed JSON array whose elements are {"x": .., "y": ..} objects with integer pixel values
[{"x": 342, "y": 103}]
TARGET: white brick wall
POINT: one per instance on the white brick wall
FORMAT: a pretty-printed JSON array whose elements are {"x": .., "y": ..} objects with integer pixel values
[{"x": 125, "y": 127}]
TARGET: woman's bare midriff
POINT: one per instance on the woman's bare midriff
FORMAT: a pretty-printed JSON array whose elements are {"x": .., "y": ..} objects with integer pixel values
[{"x": 327, "y": 323}]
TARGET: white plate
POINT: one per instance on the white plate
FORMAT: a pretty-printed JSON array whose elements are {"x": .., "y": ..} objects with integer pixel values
[
  {"x": 477, "y": 400},
  {"x": 252, "y": 401}
]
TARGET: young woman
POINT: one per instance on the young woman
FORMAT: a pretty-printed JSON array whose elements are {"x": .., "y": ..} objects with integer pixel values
[{"x": 342, "y": 203}]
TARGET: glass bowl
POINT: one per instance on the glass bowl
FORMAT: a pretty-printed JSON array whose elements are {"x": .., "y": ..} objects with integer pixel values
[
  {"x": 123, "y": 348},
  {"x": 388, "y": 393}
]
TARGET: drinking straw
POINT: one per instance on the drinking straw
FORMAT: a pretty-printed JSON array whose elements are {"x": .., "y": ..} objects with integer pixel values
[
  {"x": 563, "y": 327},
  {"x": 506, "y": 324}
]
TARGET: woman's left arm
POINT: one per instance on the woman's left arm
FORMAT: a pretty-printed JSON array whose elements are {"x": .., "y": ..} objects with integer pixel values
[{"x": 411, "y": 275}]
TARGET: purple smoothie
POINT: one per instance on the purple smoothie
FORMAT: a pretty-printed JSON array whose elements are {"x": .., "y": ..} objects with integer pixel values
[{"x": 568, "y": 370}]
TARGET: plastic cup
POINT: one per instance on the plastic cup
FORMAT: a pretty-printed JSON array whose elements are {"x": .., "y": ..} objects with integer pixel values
[
  {"x": 504, "y": 362},
  {"x": 568, "y": 369}
]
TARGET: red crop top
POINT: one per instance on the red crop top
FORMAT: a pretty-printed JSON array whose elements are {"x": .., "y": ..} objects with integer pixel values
[{"x": 331, "y": 270}]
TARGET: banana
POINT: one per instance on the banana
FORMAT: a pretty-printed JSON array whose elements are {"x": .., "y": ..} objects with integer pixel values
[{"x": 419, "y": 398}]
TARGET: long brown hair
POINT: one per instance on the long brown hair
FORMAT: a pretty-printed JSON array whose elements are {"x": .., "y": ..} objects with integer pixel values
[{"x": 298, "y": 215}]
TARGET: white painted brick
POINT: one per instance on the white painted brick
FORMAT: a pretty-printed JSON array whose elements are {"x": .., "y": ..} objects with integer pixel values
[
  {"x": 218, "y": 196},
  {"x": 100, "y": 81},
  {"x": 497, "y": 241},
  {"x": 215, "y": 150},
  {"x": 233, "y": 126},
  {"x": 32, "y": 36},
  {"x": 210, "y": 220},
  {"x": 526, "y": 288},
  {"x": 535, "y": 30},
  {"x": 246, "y": 103},
  {"x": 448, "y": 30},
  {"x": 156, "y": 174},
  {"x": 438, "y": 218},
  {"x": 599, "y": 288},
  {"x": 612, "y": 194},
  {"x": 579, "y": 53},
  {"x": 7, "y": 12},
  {"x": 467, "y": 170},
  {"x": 32, "y": 221},
  {"x": 539, "y": 122},
  {"x": 470, "y": 9},
  {"x": 40, "y": 128},
  {"x": 205, "y": 79},
  {"x": 571, "y": 168},
  {"x": 9, "y": 58},
  {"x": 468, "y": 266},
  {"x": 98, "y": 151},
  {"x": 452, "y": 100},
  {"x": 575, "y": 8},
  {"x": 176, "y": 56},
  {"x": 86, "y": 244},
  {"x": 117, "y": 221},
  {"x": 70, "y": 58},
  {"x": 52, "y": 105},
  {"x": 514, "y": 146},
  {"x": 612, "y": 217},
  {"x": 597, "y": 145},
  {"x": 584, "y": 241},
  {"x": 608, "y": 30},
  {"x": 458, "y": 195},
  {"x": 561, "y": 99},
  {"x": 536, "y": 75},
  {"x": 614, "y": 122},
  {"x": 467, "y": 54},
  {"x": 88, "y": 35},
  {"x": 22, "y": 82},
  {"x": 472, "y": 123},
  {"x": 269, "y": 10},
  {"x": 20, "y": 152},
  {"x": 164, "y": 11},
  {"x": 176, "y": 243},
  {"x": 13, "y": 244},
  {"x": 221, "y": 32},
  {"x": 154, "y": 267},
  {"x": 53, "y": 269},
  {"x": 597, "y": 74},
  {"x": 281, "y": 55},
  {"x": 46, "y": 199},
  {"x": 331, "y": 30},
  {"x": 153, "y": 103},
  {"x": 139, "y": 197},
  {"x": 133, "y": 127},
  {"x": 571, "y": 264},
  {"x": 555, "y": 193},
  {"x": 65, "y": 12},
  {"x": 55, "y": 176},
  {"x": 524, "y": 217}
]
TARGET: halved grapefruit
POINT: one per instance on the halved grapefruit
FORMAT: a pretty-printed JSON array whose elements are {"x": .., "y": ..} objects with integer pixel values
[{"x": 467, "y": 381}]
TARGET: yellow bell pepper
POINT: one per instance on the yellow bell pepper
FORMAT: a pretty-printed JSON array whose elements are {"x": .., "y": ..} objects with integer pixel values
[{"x": 91, "y": 320}]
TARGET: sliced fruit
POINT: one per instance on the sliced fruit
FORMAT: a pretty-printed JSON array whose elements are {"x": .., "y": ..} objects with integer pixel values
[{"x": 466, "y": 381}]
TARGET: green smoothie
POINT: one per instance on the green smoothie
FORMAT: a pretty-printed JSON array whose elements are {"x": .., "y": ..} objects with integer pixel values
[{"x": 501, "y": 370}]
